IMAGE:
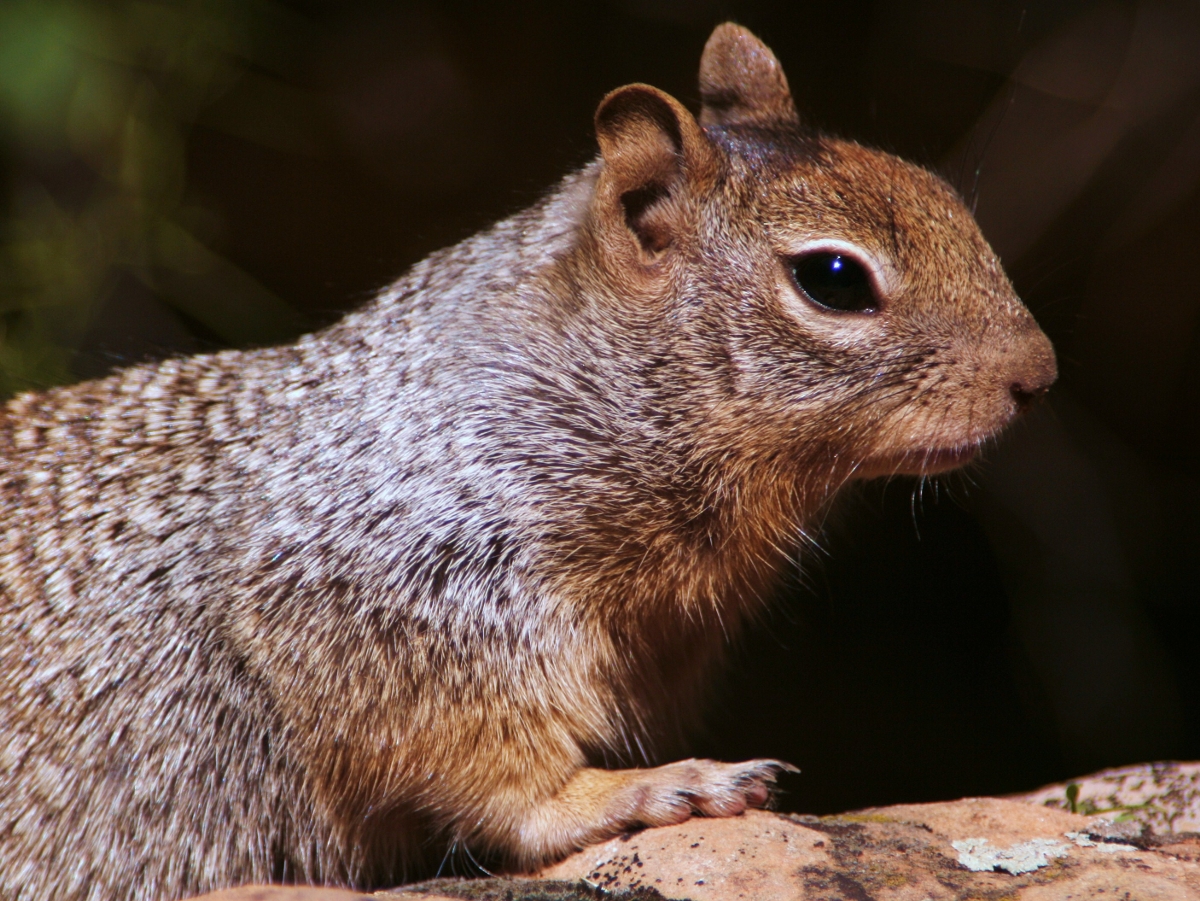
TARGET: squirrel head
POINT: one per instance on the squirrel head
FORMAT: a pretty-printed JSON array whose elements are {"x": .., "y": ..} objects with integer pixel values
[{"x": 817, "y": 295}]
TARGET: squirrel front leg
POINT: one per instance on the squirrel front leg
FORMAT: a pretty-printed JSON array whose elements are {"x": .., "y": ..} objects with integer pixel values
[{"x": 596, "y": 804}]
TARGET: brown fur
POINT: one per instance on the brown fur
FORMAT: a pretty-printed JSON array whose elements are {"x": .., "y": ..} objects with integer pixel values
[{"x": 319, "y": 612}]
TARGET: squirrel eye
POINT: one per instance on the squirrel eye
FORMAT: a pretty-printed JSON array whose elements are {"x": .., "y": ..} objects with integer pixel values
[{"x": 835, "y": 281}]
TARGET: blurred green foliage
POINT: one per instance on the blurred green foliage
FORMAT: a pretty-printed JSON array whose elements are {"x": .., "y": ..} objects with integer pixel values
[{"x": 97, "y": 100}]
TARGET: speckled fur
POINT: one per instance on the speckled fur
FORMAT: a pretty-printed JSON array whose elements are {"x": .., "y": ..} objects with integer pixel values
[{"x": 319, "y": 612}]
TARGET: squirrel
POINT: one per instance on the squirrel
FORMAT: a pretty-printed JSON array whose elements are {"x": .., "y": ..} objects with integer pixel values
[{"x": 316, "y": 613}]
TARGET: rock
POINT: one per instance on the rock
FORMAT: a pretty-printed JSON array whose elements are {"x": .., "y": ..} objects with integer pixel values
[
  {"x": 1162, "y": 797},
  {"x": 496, "y": 889},
  {"x": 1132, "y": 835},
  {"x": 981, "y": 847},
  {"x": 285, "y": 893},
  {"x": 514, "y": 889}
]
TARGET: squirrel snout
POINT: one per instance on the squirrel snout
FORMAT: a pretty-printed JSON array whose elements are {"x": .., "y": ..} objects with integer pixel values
[
  {"x": 1036, "y": 371},
  {"x": 1025, "y": 396}
]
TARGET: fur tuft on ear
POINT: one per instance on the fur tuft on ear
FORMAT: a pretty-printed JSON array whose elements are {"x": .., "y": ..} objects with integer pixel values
[
  {"x": 741, "y": 81},
  {"x": 653, "y": 151}
]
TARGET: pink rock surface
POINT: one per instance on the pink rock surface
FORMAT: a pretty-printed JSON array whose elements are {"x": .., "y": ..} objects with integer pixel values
[
  {"x": 310, "y": 893},
  {"x": 1163, "y": 796},
  {"x": 751, "y": 856},
  {"x": 284, "y": 893},
  {"x": 984, "y": 847}
]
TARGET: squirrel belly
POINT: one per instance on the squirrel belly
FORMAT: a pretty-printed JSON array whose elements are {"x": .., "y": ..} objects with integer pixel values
[{"x": 315, "y": 613}]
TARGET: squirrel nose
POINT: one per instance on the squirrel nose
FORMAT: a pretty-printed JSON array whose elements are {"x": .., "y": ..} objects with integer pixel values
[{"x": 1035, "y": 373}]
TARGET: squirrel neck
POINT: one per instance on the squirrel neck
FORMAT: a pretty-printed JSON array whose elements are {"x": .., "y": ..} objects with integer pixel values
[{"x": 614, "y": 454}]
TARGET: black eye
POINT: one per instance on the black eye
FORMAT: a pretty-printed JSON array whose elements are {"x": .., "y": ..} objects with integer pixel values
[{"x": 835, "y": 282}]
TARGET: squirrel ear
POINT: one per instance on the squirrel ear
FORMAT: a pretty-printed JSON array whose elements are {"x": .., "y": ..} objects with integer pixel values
[
  {"x": 653, "y": 149},
  {"x": 741, "y": 81}
]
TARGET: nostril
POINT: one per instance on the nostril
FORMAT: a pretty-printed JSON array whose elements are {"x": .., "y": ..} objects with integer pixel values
[
  {"x": 1024, "y": 395},
  {"x": 1033, "y": 371}
]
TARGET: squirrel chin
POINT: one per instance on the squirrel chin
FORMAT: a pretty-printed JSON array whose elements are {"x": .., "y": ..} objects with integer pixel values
[{"x": 929, "y": 462}]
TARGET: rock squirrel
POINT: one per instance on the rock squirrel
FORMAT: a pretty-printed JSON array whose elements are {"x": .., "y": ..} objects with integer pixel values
[{"x": 317, "y": 613}]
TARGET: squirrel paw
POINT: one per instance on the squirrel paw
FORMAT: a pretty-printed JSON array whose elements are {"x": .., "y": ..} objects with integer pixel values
[
  {"x": 672, "y": 793},
  {"x": 597, "y": 804}
]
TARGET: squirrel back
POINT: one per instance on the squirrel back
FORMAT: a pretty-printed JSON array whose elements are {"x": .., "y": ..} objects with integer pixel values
[{"x": 313, "y": 613}]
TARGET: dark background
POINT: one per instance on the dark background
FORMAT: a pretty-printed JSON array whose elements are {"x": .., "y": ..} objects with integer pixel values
[{"x": 186, "y": 176}]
